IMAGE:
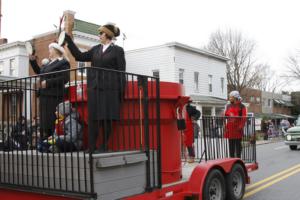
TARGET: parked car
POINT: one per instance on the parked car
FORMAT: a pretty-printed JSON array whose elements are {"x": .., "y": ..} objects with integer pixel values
[{"x": 292, "y": 136}]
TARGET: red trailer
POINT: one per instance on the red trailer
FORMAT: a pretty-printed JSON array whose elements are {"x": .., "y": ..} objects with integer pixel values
[{"x": 144, "y": 158}]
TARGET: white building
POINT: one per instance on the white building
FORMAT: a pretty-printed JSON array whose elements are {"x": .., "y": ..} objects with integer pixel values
[
  {"x": 202, "y": 73},
  {"x": 13, "y": 60}
]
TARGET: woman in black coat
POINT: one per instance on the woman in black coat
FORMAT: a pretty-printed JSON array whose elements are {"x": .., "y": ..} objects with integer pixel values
[
  {"x": 52, "y": 86},
  {"x": 105, "y": 87}
]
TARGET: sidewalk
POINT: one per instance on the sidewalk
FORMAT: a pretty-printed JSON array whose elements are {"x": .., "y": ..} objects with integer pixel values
[{"x": 271, "y": 140}]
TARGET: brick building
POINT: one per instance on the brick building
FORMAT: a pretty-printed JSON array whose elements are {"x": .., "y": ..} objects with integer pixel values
[
  {"x": 296, "y": 102},
  {"x": 252, "y": 97},
  {"x": 85, "y": 35}
]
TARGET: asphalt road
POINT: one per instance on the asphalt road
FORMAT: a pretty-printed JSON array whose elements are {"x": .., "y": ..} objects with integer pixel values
[{"x": 278, "y": 176}]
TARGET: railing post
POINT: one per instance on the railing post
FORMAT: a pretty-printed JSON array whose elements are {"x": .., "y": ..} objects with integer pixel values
[
  {"x": 204, "y": 137},
  {"x": 143, "y": 81},
  {"x": 158, "y": 132},
  {"x": 91, "y": 128}
]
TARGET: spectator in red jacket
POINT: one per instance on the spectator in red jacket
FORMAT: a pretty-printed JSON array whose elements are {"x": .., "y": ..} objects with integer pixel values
[
  {"x": 236, "y": 116},
  {"x": 192, "y": 114}
]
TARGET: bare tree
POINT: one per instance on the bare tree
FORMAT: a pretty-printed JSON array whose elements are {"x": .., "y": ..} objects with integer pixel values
[
  {"x": 270, "y": 81},
  {"x": 242, "y": 70},
  {"x": 293, "y": 64}
]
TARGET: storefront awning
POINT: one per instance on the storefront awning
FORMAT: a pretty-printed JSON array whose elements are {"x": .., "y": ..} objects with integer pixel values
[
  {"x": 273, "y": 116},
  {"x": 208, "y": 100},
  {"x": 283, "y": 103}
]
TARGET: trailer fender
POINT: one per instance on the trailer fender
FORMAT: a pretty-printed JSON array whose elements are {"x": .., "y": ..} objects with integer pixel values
[{"x": 199, "y": 174}]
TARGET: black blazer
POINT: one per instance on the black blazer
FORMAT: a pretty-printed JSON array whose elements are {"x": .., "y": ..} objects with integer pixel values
[
  {"x": 113, "y": 58},
  {"x": 55, "y": 82}
]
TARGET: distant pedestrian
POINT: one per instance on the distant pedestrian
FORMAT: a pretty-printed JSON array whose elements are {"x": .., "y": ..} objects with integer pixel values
[
  {"x": 236, "y": 116},
  {"x": 192, "y": 115},
  {"x": 265, "y": 128}
]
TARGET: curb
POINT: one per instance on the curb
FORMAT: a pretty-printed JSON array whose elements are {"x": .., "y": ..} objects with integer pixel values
[{"x": 269, "y": 142}]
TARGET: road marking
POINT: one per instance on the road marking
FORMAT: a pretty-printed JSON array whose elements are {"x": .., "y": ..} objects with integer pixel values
[
  {"x": 272, "y": 177},
  {"x": 271, "y": 183},
  {"x": 281, "y": 147}
]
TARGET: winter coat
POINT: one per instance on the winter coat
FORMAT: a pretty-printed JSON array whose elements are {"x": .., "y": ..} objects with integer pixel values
[
  {"x": 54, "y": 92},
  {"x": 72, "y": 130},
  {"x": 55, "y": 82},
  {"x": 105, "y": 87},
  {"x": 189, "y": 131},
  {"x": 236, "y": 116}
]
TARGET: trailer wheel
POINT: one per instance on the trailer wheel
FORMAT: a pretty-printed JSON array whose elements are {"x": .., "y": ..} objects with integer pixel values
[
  {"x": 235, "y": 183},
  {"x": 214, "y": 187},
  {"x": 293, "y": 147}
]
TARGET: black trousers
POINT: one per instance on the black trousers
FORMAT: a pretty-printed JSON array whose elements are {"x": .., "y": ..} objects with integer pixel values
[
  {"x": 95, "y": 128},
  {"x": 235, "y": 148},
  {"x": 47, "y": 113}
]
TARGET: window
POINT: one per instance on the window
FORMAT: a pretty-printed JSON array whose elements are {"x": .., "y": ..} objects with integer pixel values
[
  {"x": 252, "y": 99},
  {"x": 81, "y": 72},
  {"x": 181, "y": 71},
  {"x": 269, "y": 102},
  {"x": 13, "y": 105},
  {"x": 222, "y": 84},
  {"x": 196, "y": 81},
  {"x": 155, "y": 73},
  {"x": 1, "y": 67},
  {"x": 258, "y": 99},
  {"x": 13, "y": 102},
  {"x": 210, "y": 83},
  {"x": 12, "y": 67}
]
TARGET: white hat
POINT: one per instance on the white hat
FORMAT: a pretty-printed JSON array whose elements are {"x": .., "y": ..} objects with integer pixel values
[
  {"x": 57, "y": 47},
  {"x": 235, "y": 94}
]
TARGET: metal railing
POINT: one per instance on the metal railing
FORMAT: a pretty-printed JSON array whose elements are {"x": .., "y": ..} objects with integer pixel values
[
  {"x": 224, "y": 137},
  {"x": 98, "y": 112}
]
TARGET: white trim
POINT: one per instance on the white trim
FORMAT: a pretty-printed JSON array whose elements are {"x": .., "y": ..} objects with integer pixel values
[
  {"x": 11, "y": 45},
  {"x": 85, "y": 35}
]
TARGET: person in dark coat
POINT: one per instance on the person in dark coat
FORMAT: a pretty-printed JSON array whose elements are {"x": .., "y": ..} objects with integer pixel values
[
  {"x": 236, "y": 116},
  {"x": 105, "y": 87},
  {"x": 52, "y": 86}
]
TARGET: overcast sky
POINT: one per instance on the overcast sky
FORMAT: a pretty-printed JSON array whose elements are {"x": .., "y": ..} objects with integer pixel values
[{"x": 274, "y": 25}]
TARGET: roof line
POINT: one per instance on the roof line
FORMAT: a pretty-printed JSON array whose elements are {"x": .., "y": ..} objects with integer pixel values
[
  {"x": 197, "y": 50},
  {"x": 184, "y": 46}
]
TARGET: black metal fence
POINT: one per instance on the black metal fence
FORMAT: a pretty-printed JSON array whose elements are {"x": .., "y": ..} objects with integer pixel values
[
  {"x": 224, "y": 137},
  {"x": 52, "y": 125}
]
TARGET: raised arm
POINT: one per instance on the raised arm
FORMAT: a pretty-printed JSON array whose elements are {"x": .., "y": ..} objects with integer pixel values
[
  {"x": 78, "y": 55},
  {"x": 34, "y": 65}
]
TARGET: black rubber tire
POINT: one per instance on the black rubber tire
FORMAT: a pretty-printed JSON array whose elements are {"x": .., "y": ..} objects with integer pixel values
[
  {"x": 293, "y": 147},
  {"x": 214, "y": 186},
  {"x": 236, "y": 183}
]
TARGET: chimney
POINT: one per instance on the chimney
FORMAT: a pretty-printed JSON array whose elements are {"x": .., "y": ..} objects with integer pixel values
[
  {"x": 3, "y": 41},
  {"x": 69, "y": 21}
]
